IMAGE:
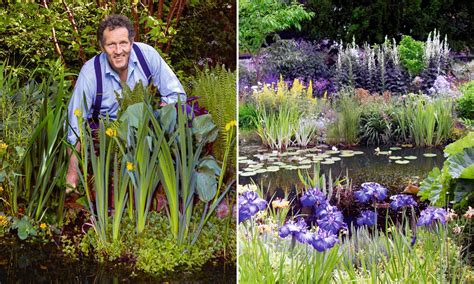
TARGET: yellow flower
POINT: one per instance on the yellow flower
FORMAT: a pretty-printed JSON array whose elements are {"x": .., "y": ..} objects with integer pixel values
[
  {"x": 1, "y": 189},
  {"x": 232, "y": 123},
  {"x": 280, "y": 203},
  {"x": 3, "y": 221},
  {"x": 43, "y": 226},
  {"x": 3, "y": 146},
  {"x": 111, "y": 132},
  {"x": 130, "y": 166},
  {"x": 77, "y": 112}
]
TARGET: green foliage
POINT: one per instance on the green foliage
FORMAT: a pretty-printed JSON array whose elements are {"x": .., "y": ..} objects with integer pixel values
[
  {"x": 372, "y": 21},
  {"x": 465, "y": 106},
  {"x": 454, "y": 181},
  {"x": 411, "y": 55},
  {"x": 24, "y": 227},
  {"x": 376, "y": 127},
  {"x": 247, "y": 116},
  {"x": 216, "y": 89},
  {"x": 346, "y": 127},
  {"x": 260, "y": 18}
]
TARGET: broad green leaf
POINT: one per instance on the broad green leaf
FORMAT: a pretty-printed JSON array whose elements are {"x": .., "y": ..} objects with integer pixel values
[
  {"x": 206, "y": 184},
  {"x": 210, "y": 163},
  {"x": 461, "y": 165},
  {"x": 204, "y": 128},
  {"x": 431, "y": 188},
  {"x": 133, "y": 114},
  {"x": 167, "y": 117},
  {"x": 459, "y": 145}
]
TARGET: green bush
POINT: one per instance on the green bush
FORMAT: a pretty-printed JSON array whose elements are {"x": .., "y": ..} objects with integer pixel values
[
  {"x": 465, "y": 105},
  {"x": 411, "y": 55},
  {"x": 247, "y": 116}
]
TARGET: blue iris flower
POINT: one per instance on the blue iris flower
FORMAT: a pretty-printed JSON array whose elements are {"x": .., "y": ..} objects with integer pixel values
[
  {"x": 367, "y": 217},
  {"x": 371, "y": 191},
  {"x": 430, "y": 215},
  {"x": 292, "y": 228},
  {"x": 401, "y": 200},
  {"x": 331, "y": 219},
  {"x": 313, "y": 197},
  {"x": 249, "y": 204},
  {"x": 324, "y": 240}
]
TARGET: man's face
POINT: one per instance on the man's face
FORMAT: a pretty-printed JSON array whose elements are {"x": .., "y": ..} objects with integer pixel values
[{"x": 117, "y": 46}]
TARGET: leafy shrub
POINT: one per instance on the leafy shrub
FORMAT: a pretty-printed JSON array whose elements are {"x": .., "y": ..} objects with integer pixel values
[
  {"x": 297, "y": 59},
  {"x": 411, "y": 54},
  {"x": 376, "y": 127},
  {"x": 247, "y": 116},
  {"x": 465, "y": 106}
]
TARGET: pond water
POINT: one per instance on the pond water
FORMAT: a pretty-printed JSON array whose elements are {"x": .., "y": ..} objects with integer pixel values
[
  {"x": 24, "y": 262},
  {"x": 278, "y": 172}
]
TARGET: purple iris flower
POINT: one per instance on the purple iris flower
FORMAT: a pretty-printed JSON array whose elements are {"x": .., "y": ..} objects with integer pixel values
[
  {"x": 401, "y": 200},
  {"x": 313, "y": 197},
  {"x": 371, "y": 191},
  {"x": 431, "y": 215},
  {"x": 292, "y": 228},
  {"x": 304, "y": 237},
  {"x": 324, "y": 240},
  {"x": 249, "y": 204},
  {"x": 368, "y": 218},
  {"x": 331, "y": 219}
]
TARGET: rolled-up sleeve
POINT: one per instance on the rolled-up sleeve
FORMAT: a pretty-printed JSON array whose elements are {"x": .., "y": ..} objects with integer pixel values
[
  {"x": 164, "y": 78},
  {"x": 84, "y": 89}
]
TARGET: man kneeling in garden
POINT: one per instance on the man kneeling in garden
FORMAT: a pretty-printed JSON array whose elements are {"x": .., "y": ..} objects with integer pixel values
[{"x": 122, "y": 61}]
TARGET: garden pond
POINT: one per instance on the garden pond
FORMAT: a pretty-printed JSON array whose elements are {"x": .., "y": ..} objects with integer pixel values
[
  {"x": 30, "y": 262},
  {"x": 393, "y": 167}
]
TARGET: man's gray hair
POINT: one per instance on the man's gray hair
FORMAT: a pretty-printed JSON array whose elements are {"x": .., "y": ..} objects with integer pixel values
[{"x": 115, "y": 21}]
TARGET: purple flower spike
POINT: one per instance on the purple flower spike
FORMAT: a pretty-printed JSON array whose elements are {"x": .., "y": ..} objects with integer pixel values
[
  {"x": 331, "y": 219},
  {"x": 250, "y": 204},
  {"x": 313, "y": 197},
  {"x": 371, "y": 191},
  {"x": 431, "y": 215},
  {"x": 324, "y": 240},
  {"x": 368, "y": 218},
  {"x": 292, "y": 228},
  {"x": 401, "y": 200}
]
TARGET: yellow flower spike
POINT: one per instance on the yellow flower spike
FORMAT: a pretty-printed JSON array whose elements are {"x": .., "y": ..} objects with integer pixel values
[
  {"x": 309, "y": 91},
  {"x": 230, "y": 124},
  {"x": 43, "y": 226},
  {"x": 77, "y": 112},
  {"x": 111, "y": 132},
  {"x": 130, "y": 166},
  {"x": 1, "y": 189}
]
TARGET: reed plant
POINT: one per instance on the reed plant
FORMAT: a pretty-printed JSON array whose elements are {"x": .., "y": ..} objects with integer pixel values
[{"x": 304, "y": 133}]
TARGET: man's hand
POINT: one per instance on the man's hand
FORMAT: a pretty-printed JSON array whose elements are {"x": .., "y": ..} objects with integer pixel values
[{"x": 71, "y": 176}]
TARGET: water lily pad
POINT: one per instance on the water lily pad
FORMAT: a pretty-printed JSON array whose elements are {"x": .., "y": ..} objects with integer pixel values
[
  {"x": 384, "y": 153},
  {"x": 410, "y": 157},
  {"x": 331, "y": 152},
  {"x": 305, "y": 167},
  {"x": 346, "y": 155},
  {"x": 305, "y": 162},
  {"x": 324, "y": 156},
  {"x": 248, "y": 174},
  {"x": 327, "y": 162},
  {"x": 261, "y": 171},
  {"x": 429, "y": 155},
  {"x": 402, "y": 162},
  {"x": 249, "y": 169},
  {"x": 358, "y": 152},
  {"x": 407, "y": 145},
  {"x": 273, "y": 169},
  {"x": 314, "y": 150},
  {"x": 395, "y": 148},
  {"x": 336, "y": 159},
  {"x": 394, "y": 157}
]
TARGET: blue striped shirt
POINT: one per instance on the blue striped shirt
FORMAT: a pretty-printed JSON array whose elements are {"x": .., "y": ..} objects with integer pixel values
[{"x": 163, "y": 78}]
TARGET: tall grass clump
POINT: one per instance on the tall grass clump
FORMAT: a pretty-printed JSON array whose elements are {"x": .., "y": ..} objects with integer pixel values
[{"x": 346, "y": 127}]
